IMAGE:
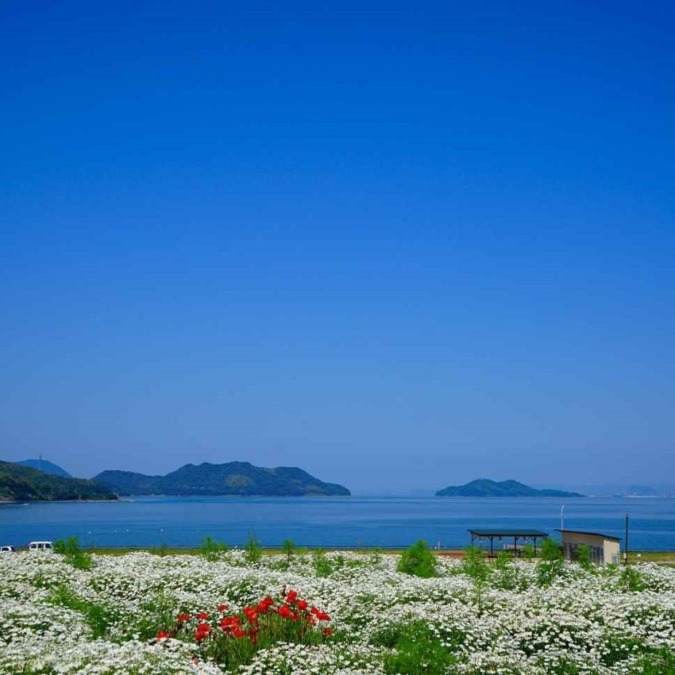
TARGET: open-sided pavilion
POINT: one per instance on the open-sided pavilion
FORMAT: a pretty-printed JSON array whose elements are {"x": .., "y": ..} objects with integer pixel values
[{"x": 522, "y": 536}]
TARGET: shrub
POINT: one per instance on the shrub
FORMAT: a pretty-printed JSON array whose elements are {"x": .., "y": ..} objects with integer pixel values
[
  {"x": 551, "y": 550},
  {"x": 211, "y": 549},
  {"x": 74, "y": 555},
  {"x": 631, "y": 580},
  {"x": 584, "y": 557},
  {"x": 475, "y": 565},
  {"x": 418, "y": 561},
  {"x": 322, "y": 565},
  {"x": 288, "y": 547},
  {"x": 252, "y": 549}
]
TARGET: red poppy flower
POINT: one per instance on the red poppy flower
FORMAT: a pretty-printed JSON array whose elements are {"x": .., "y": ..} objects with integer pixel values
[
  {"x": 302, "y": 604},
  {"x": 203, "y": 616},
  {"x": 163, "y": 635},
  {"x": 203, "y": 631},
  {"x": 223, "y": 608},
  {"x": 230, "y": 622},
  {"x": 292, "y": 595},
  {"x": 264, "y": 605},
  {"x": 251, "y": 614},
  {"x": 183, "y": 617},
  {"x": 327, "y": 632}
]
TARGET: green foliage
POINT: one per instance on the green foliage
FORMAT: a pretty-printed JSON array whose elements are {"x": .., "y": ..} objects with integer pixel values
[
  {"x": 212, "y": 549},
  {"x": 252, "y": 549},
  {"x": 418, "y": 560},
  {"x": 288, "y": 547},
  {"x": 551, "y": 550},
  {"x": 630, "y": 579},
  {"x": 157, "y": 612},
  {"x": 528, "y": 552},
  {"x": 322, "y": 565},
  {"x": 23, "y": 483},
  {"x": 583, "y": 556},
  {"x": 548, "y": 571},
  {"x": 416, "y": 650},
  {"x": 99, "y": 617},
  {"x": 73, "y": 554},
  {"x": 551, "y": 565},
  {"x": 562, "y": 666},
  {"x": 162, "y": 550},
  {"x": 658, "y": 662},
  {"x": 506, "y": 574},
  {"x": 475, "y": 565}
]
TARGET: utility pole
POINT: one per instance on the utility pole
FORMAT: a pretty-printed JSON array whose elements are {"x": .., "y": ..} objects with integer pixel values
[
  {"x": 562, "y": 518},
  {"x": 625, "y": 553}
]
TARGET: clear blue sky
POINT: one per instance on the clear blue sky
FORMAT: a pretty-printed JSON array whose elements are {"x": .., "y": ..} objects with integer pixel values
[{"x": 401, "y": 245}]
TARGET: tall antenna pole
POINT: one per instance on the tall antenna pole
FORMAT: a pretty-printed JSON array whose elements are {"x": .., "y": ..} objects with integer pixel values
[
  {"x": 562, "y": 517},
  {"x": 625, "y": 554}
]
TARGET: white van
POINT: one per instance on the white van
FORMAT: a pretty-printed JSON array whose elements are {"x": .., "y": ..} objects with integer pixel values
[
  {"x": 40, "y": 546},
  {"x": 7, "y": 549}
]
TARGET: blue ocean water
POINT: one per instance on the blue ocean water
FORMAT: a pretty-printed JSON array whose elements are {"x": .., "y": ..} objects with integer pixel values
[{"x": 330, "y": 522}]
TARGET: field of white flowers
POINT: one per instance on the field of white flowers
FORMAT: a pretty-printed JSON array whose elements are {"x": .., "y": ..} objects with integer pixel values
[{"x": 516, "y": 617}]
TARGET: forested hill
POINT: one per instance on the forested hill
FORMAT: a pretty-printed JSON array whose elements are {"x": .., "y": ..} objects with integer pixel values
[
  {"x": 23, "y": 483},
  {"x": 46, "y": 466},
  {"x": 484, "y": 487},
  {"x": 233, "y": 478}
]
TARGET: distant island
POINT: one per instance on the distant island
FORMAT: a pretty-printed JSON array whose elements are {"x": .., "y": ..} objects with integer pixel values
[
  {"x": 46, "y": 466},
  {"x": 483, "y": 487},
  {"x": 232, "y": 478},
  {"x": 26, "y": 484}
]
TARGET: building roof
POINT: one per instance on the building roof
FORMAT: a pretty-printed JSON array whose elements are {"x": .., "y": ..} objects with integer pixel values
[
  {"x": 508, "y": 533},
  {"x": 591, "y": 534}
]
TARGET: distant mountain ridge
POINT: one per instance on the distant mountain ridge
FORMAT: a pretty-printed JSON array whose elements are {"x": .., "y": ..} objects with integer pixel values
[
  {"x": 23, "y": 483},
  {"x": 483, "y": 487},
  {"x": 232, "y": 478},
  {"x": 46, "y": 466}
]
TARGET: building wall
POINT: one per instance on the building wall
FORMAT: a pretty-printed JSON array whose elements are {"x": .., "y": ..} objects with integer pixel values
[
  {"x": 603, "y": 551},
  {"x": 612, "y": 552}
]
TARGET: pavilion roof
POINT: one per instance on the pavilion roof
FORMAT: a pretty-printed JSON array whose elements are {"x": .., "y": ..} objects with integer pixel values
[
  {"x": 509, "y": 533},
  {"x": 592, "y": 534}
]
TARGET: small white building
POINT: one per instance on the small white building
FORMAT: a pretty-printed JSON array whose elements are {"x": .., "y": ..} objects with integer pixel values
[{"x": 604, "y": 548}]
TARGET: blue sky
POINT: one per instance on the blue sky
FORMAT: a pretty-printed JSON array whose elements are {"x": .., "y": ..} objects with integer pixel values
[{"x": 401, "y": 245}]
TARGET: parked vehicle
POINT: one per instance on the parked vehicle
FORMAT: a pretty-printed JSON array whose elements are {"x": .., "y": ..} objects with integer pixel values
[
  {"x": 7, "y": 549},
  {"x": 40, "y": 546}
]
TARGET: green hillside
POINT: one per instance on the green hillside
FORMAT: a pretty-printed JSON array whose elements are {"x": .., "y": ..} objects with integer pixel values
[
  {"x": 46, "y": 466},
  {"x": 233, "y": 478},
  {"x": 23, "y": 483},
  {"x": 483, "y": 487}
]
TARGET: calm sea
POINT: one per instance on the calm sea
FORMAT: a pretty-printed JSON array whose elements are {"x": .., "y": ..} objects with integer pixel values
[{"x": 330, "y": 522}]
